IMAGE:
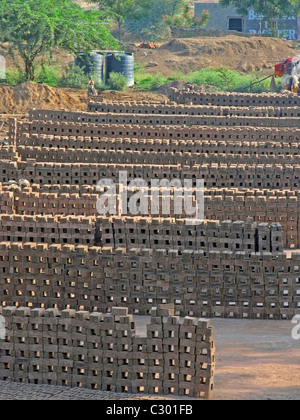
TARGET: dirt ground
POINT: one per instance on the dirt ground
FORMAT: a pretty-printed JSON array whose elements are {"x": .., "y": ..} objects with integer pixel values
[
  {"x": 255, "y": 359},
  {"x": 238, "y": 53},
  {"x": 20, "y": 99}
]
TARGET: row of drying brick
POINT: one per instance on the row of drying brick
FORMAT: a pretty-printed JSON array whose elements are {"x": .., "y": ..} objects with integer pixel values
[
  {"x": 283, "y": 138},
  {"x": 143, "y": 232},
  {"x": 233, "y": 99},
  {"x": 74, "y": 155},
  {"x": 157, "y": 233},
  {"x": 149, "y": 131},
  {"x": 203, "y": 284},
  {"x": 186, "y": 120},
  {"x": 263, "y": 146},
  {"x": 136, "y": 108},
  {"x": 172, "y": 109},
  {"x": 103, "y": 351},
  {"x": 218, "y": 205},
  {"x": 273, "y": 194},
  {"x": 214, "y": 175},
  {"x": 47, "y": 229}
]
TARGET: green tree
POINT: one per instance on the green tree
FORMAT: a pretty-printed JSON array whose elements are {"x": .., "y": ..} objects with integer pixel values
[
  {"x": 147, "y": 19},
  {"x": 33, "y": 27},
  {"x": 187, "y": 18},
  {"x": 272, "y": 10},
  {"x": 117, "y": 10}
]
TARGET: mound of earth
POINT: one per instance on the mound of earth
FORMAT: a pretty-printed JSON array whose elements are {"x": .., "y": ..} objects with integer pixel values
[
  {"x": 28, "y": 95},
  {"x": 22, "y": 98},
  {"x": 244, "y": 54}
]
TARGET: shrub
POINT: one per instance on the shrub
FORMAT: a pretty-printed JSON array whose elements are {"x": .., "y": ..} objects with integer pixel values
[
  {"x": 117, "y": 81},
  {"x": 157, "y": 81},
  {"x": 50, "y": 75},
  {"x": 222, "y": 79},
  {"x": 14, "y": 77},
  {"x": 74, "y": 77}
]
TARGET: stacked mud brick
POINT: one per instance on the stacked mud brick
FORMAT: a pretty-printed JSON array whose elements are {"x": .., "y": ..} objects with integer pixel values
[
  {"x": 207, "y": 118},
  {"x": 264, "y": 206},
  {"x": 47, "y": 229},
  {"x": 198, "y": 283},
  {"x": 151, "y": 131},
  {"x": 215, "y": 175},
  {"x": 159, "y": 233},
  {"x": 174, "y": 109},
  {"x": 104, "y": 351},
  {"x": 268, "y": 154},
  {"x": 244, "y": 157},
  {"x": 233, "y": 99},
  {"x": 58, "y": 254}
]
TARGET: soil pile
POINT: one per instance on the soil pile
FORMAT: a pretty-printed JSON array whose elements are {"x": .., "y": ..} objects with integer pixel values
[
  {"x": 22, "y": 98},
  {"x": 28, "y": 95},
  {"x": 244, "y": 54}
]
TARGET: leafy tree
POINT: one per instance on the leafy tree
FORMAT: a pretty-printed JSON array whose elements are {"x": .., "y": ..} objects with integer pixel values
[
  {"x": 272, "y": 10},
  {"x": 34, "y": 27},
  {"x": 147, "y": 20},
  {"x": 166, "y": 7},
  {"x": 117, "y": 10},
  {"x": 186, "y": 18}
]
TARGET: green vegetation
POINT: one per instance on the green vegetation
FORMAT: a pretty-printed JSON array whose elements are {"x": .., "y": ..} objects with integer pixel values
[
  {"x": 117, "y": 81},
  {"x": 186, "y": 18},
  {"x": 32, "y": 28},
  {"x": 74, "y": 77},
  {"x": 50, "y": 75},
  {"x": 149, "y": 21},
  {"x": 223, "y": 79},
  {"x": 13, "y": 78},
  {"x": 116, "y": 11}
]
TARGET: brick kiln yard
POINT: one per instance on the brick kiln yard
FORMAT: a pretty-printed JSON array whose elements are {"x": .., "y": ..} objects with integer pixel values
[{"x": 91, "y": 274}]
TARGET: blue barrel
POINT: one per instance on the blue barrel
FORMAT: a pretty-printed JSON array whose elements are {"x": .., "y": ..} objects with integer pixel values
[
  {"x": 91, "y": 64},
  {"x": 121, "y": 63}
]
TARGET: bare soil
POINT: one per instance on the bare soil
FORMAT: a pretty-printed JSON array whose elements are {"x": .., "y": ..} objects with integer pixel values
[
  {"x": 256, "y": 360},
  {"x": 20, "y": 99},
  {"x": 243, "y": 54}
]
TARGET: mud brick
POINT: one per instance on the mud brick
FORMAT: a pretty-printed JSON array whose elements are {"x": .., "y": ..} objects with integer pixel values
[
  {"x": 187, "y": 349},
  {"x": 79, "y": 381}
]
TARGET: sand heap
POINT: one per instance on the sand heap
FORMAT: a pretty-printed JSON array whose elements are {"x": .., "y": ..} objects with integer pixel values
[
  {"x": 244, "y": 54},
  {"x": 28, "y": 95}
]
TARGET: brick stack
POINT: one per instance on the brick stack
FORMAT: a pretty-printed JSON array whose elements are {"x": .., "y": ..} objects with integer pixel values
[
  {"x": 245, "y": 149},
  {"x": 102, "y": 351}
]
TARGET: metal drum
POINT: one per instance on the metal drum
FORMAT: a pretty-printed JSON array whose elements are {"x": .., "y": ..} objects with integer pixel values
[
  {"x": 121, "y": 63},
  {"x": 91, "y": 64}
]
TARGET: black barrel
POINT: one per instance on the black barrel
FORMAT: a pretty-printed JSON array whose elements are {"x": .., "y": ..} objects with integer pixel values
[
  {"x": 92, "y": 64},
  {"x": 121, "y": 63}
]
